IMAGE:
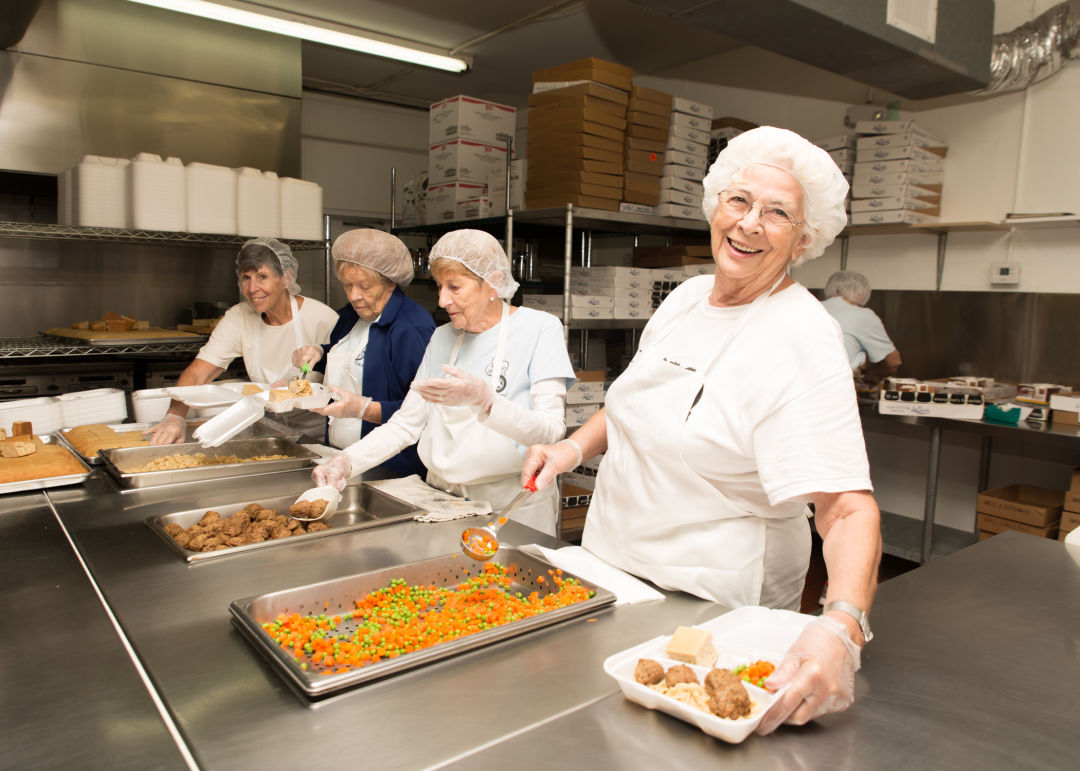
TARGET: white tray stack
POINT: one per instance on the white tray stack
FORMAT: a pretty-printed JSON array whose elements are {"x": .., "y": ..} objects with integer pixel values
[
  {"x": 686, "y": 159},
  {"x": 98, "y": 405},
  {"x": 899, "y": 172},
  {"x": 43, "y": 412}
]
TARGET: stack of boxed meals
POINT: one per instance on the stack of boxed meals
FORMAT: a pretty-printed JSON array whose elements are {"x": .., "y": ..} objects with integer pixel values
[
  {"x": 646, "y": 141},
  {"x": 1070, "y": 517},
  {"x": 686, "y": 160},
  {"x": 841, "y": 148},
  {"x": 584, "y": 397},
  {"x": 606, "y": 292},
  {"x": 583, "y": 400},
  {"x": 467, "y": 141},
  {"x": 577, "y": 135},
  {"x": 899, "y": 171},
  {"x": 1028, "y": 509}
]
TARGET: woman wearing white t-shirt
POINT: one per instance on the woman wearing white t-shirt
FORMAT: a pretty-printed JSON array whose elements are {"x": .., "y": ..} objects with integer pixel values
[
  {"x": 737, "y": 411},
  {"x": 265, "y": 328},
  {"x": 492, "y": 382}
]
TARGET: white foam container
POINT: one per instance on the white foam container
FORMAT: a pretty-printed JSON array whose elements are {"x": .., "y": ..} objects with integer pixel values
[
  {"x": 150, "y": 404},
  {"x": 95, "y": 192},
  {"x": 301, "y": 209},
  {"x": 156, "y": 198},
  {"x": 211, "y": 198},
  {"x": 258, "y": 202},
  {"x": 98, "y": 405},
  {"x": 42, "y": 411}
]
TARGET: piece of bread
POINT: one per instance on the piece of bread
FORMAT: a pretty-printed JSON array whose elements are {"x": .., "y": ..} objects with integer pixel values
[
  {"x": 3, "y": 433},
  {"x": 142, "y": 325},
  {"x": 119, "y": 325},
  {"x": 22, "y": 428},
  {"x": 17, "y": 447},
  {"x": 694, "y": 646},
  {"x": 97, "y": 326},
  {"x": 251, "y": 389},
  {"x": 48, "y": 460},
  {"x": 281, "y": 395},
  {"x": 81, "y": 325}
]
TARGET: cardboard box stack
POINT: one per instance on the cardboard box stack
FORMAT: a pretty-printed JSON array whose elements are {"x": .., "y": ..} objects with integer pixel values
[
  {"x": 899, "y": 170},
  {"x": 647, "y": 140},
  {"x": 1070, "y": 516},
  {"x": 583, "y": 400},
  {"x": 577, "y": 135},
  {"x": 841, "y": 148},
  {"x": 467, "y": 142},
  {"x": 686, "y": 159},
  {"x": 1028, "y": 509}
]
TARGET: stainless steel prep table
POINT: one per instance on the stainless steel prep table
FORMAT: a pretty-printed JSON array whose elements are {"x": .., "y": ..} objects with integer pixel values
[
  {"x": 236, "y": 712},
  {"x": 70, "y": 696},
  {"x": 975, "y": 663}
]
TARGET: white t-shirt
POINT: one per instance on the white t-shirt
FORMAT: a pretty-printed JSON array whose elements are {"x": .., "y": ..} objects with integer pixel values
[
  {"x": 235, "y": 336},
  {"x": 865, "y": 338}
]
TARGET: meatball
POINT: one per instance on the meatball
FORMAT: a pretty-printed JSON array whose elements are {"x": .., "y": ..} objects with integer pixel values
[
  {"x": 253, "y": 508},
  {"x": 648, "y": 672},
  {"x": 243, "y": 515},
  {"x": 173, "y": 529},
  {"x": 728, "y": 698},
  {"x": 233, "y": 527},
  {"x": 208, "y": 517},
  {"x": 264, "y": 514},
  {"x": 280, "y": 532},
  {"x": 183, "y": 538},
  {"x": 680, "y": 673},
  {"x": 295, "y": 525},
  {"x": 301, "y": 509},
  {"x": 314, "y": 527},
  {"x": 198, "y": 542}
]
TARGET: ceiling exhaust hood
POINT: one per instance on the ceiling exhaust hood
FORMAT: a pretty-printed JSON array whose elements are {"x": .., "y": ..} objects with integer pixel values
[
  {"x": 15, "y": 20},
  {"x": 913, "y": 48}
]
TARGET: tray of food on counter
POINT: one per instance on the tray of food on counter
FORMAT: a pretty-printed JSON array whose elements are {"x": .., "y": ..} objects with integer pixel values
[
  {"x": 29, "y": 462},
  {"x": 136, "y": 467},
  {"x": 87, "y": 441},
  {"x": 333, "y": 635},
  {"x": 231, "y": 528},
  {"x": 711, "y": 675}
]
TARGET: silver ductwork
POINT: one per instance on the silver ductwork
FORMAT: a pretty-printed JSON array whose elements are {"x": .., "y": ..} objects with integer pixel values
[{"x": 1034, "y": 51}]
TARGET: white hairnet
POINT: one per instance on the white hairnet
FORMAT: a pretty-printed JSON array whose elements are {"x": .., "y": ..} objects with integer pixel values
[
  {"x": 375, "y": 250},
  {"x": 482, "y": 254},
  {"x": 824, "y": 187},
  {"x": 269, "y": 251},
  {"x": 852, "y": 286}
]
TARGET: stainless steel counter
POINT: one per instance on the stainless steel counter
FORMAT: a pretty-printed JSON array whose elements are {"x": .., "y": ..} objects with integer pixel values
[{"x": 70, "y": 696}]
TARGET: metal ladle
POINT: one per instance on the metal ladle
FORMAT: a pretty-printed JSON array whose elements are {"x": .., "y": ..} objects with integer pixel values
[{"x": 481, "y": 543}]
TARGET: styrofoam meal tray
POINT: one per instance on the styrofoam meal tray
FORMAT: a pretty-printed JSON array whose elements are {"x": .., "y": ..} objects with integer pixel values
[
  {"x": 42, "y": 411},
  {"x": 207, "y": 395},
  {"x": 741, "y": 636},
  {"x": 320, "y": 397}
]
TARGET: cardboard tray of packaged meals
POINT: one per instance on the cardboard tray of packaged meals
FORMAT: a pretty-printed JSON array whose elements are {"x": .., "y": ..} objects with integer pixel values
[
  {"x": 741, "y": 636},
  {"x": 336, "y": 599},
  {"x": 123, "y": 464},
  {"x": 361, "y": 506},
  {"x": 40, "y": 483}
]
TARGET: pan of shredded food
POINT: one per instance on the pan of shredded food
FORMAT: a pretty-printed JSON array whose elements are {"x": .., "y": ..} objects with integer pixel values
[
  {"x": 137, "y": 467},
  {"x": 333, "y": 635}
]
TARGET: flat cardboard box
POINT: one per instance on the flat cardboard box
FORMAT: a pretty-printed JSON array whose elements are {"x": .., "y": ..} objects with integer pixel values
[
  {"x": 895, "y": 127},
  {"x": 692, "y": 173},
  {"x": 575, "y": 98},
  {"x": 567, "y": 188},
  {"x": 646, "y": 132},
  {"x": 691, "y": 121},
  {"x": 897, "y": 191},
  {"x": 590, "y": 375},
  {"x": 895, "y": 216},
  {"x": 680, "y": 212},
  {"x": 678, "y": 183},
  {"x": 895, "y": 202},
  {"x": 1070, "y": 520},
  {"x": 837, "y": 142},
  {"x": 913, "y": 151},
  {"x": 544, "y": 177},
  {"x": 1064, "y": 418},
  {"x": 648, "y": 145},
  {"x": 899, "y": 164},
  {"x": 661, "y": 111},
  {"x": 568, "y": 164},
  {"x": 551, "y": 121},
  {"x": 636, "y": 180},
  {"x": 466, "y": 117},
  {"x": 667, "y": 195},
  {"x": 693, "y": 134},
  {"x": 575, "y": 115},
  {"x": 535, "y": 201},
  {"x": 463, "y": 160},
  {"x": 991, "y": 524},
  {"x": 648, "y": 198},
  {"x": 651, "y": 95},
  {"x": 547, "y": 151},
  {"x": 697, "y": 149},
  {"x": 541, "y": 135},
  {"x": 1074, "y": 484},
  {"x": 687, "y": 159},
  {"x": 648, "y": 119},
  {"x": 590, "y": 68},
  {"x": 920, "y": 178},
  {"x": 645, "y": 162},
  {"x": 692, "y": 107},
  {"x": 1036, "y": 506},
  {"x": 904, "y": 139}
]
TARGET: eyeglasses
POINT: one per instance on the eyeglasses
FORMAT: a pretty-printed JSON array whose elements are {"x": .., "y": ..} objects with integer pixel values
[{"x": 738, "y": 205}]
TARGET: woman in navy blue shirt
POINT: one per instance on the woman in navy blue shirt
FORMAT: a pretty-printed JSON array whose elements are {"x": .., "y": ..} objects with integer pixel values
[{"x": 377, "y": 344}]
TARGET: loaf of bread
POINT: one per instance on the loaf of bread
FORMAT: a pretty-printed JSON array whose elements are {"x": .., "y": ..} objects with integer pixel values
[
  {"x": 17, "y": 447},
  {"x": 692, "y": 645},
  {"x": 92, "y": 438},
  {"x": 22, "y": 428},
  {"x": 48, "y": 460}
]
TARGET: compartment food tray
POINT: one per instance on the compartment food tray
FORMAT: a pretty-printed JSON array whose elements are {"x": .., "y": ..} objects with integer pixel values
[
  {"x": 117, "y": 462},
  {"x": 339, "y": 595},
  {"x": 361, "y": 507},
  {"x": 320, "y": 397},
  {"x": 742, "y": 636},
  {"x": 44, "y": 482}
]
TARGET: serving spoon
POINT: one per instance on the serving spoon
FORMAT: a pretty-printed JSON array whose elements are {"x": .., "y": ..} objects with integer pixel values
[
  {"x": 481, "y": 543},
  {"x": 329, "y": 494}
]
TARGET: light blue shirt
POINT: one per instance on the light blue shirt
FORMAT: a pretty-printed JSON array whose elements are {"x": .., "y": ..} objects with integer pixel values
[{"x": 865, "y": 338}]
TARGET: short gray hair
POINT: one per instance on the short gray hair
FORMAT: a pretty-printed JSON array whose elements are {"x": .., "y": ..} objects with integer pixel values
[
  {"x": 852, "y": 286},
  {"x": 257, "y": 252}
]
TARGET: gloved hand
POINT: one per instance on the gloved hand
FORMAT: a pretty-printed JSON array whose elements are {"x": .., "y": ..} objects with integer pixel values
[
  {"x": 169, "y": 430},
  {"x": 348, "y": 405},
  {"x": 334, "y": 473},
  {"x": 309, "y": 354},
  {"x": 546, "y": 461},
  {"x": 460, "y": 388},
  {"x": 820, "y": 667}
]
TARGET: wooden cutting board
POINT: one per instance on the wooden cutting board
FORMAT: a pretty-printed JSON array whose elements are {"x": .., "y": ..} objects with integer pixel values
[{"x": 154, "y": 334}]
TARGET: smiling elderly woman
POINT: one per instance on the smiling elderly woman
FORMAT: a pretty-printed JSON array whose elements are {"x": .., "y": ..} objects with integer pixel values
[
  {"x": 746, "y": 373},
  {"x": 492, "y": 382}
]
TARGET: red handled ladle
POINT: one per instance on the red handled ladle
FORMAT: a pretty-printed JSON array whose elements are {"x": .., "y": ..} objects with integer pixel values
[{"x": 481, "y": 543}]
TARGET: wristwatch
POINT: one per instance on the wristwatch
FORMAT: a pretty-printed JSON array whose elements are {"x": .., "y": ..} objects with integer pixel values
[{"x": 856, "y": 613}]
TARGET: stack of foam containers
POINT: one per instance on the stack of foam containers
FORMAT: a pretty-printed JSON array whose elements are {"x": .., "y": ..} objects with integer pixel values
[
  {"x": 94, "y": 192},
  {"x": 258, "y": 202},
  {"x": 98, "y": 405},
  {"x": 211, "y": 198},
  {"x": 43, "y": 412},
  {"x": 156, "y": 197},
  {"x": 301, "y": 209}
]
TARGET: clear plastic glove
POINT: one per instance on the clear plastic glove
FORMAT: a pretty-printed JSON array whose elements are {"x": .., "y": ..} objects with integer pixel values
[
  {"x": 309, "y": 354},
  {"x": 461, "y": 388},
  {"x": 169, "y": 430},
  {"x": 546, "y": 461},
  {"x": 347, "y": 405},
  {"x": 819, "y": 670},
  {"x": 334, "y": 473}
]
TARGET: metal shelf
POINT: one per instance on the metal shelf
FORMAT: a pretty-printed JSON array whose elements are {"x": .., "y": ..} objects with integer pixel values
[
  {"x": 27, "y": 347},
  {"x": 585, "y": 219},
  {"x": 51, "y": 232}
]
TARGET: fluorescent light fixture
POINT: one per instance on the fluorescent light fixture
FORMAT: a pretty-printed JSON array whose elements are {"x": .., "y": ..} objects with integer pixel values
[{"x": 317, "y": 31}]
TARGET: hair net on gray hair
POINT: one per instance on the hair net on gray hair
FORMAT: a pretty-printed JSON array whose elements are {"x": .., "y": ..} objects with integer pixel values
[
  {"x": 824, "y": 187},
  {"x": 257, "y": 252},
  {"x": 482, "y": 254},
  {"x": 850, "y": 285},
  {"x": 375, "y": 250}
]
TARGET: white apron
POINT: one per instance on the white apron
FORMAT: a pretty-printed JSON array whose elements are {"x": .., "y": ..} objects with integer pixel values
[
  {"x": 466, "y": 458},
  {"x": 659, "y": 517},
  {"x": 342, "y": 373}
]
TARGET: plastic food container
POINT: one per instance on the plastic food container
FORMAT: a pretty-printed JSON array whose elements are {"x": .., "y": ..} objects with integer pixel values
[
  {"x": 230, "y": 422},
  {"x": 94, "y": 192},
  {"x": 98, "y": 405},
  {"x": 211, "y": 198},
  {"x": 301, "y": 209},
  {"x": 258, "y": 202},
  {"x": 43, "y": 412},
  {"x": 156, "y": 198}
]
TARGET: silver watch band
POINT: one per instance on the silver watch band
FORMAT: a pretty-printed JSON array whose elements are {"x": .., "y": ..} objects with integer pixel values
[{"x": 856, "y": 613}]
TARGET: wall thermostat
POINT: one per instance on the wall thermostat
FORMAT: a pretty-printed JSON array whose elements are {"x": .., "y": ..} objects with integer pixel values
[{"x": 1005, "y": 273}]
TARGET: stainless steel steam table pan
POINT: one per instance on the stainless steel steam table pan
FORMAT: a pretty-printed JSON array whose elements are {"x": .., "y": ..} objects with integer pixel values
[
  {"x": 361, "y": 507},
  {"x": 121, "y": 463},
  {"x": 338, "y": 597}
]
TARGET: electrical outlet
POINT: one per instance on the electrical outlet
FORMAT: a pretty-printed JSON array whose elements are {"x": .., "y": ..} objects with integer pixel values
[{"x": 1005, "y": 273}]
